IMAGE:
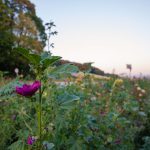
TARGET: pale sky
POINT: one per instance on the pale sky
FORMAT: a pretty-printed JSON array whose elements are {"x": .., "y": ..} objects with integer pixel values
[{"x": 110, "y": 33}]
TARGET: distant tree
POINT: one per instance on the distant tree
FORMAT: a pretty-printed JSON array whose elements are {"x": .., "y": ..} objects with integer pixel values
[
  {"x": 41, "y": 28},
  {"x": 6, "y": 36},
  {"x": 19, "y": 26},
  {"x": 129, "y": 66},
  {"x": 26, "y": 33},
  {"x": 28, "y": 28}
]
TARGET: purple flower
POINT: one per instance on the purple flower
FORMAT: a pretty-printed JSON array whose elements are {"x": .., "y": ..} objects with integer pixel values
[
  {"x": 30, "y": 140},
  {"x": 27, "y": 89},
  {"x": 117, "y": 141},
  {"x": 13, "y": 117},
  {"x": 102, "y": 113}
]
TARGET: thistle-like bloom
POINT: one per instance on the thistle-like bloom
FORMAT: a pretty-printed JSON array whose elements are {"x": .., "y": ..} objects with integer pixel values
[
  {"x": 30, "y": 140},
  {"x": 27, "y": 89}
]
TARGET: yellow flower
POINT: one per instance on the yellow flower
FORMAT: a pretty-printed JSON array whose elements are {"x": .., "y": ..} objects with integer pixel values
[
  {"x": 45, "y": 94},
  {"x": 118, "y": 82}
]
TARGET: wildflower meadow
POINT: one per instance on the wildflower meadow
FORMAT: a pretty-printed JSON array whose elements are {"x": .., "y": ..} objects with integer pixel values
[
  {"x": 62, "y": 108},
  {"x": 90, "y": 90}
]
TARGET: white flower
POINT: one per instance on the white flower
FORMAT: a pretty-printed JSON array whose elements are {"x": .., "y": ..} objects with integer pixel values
[
  {"x": 138, "y": 88},
  {"x": 143, "y": 91}
]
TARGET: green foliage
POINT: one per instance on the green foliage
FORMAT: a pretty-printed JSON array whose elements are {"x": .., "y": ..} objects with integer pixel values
[
  {"x": 74, "y": 112},
  {"x": 33, "y": 58},
  {"x": 62, "y": 71},
  {"x": 8, "y": 90},
  {"x": 146, "y": 145},
  {"x": 17, "y": 145},
  {"x": 19, "y": 26},
  {"x": 41, "y": 28},
  {"x": 40, "y": 62}
]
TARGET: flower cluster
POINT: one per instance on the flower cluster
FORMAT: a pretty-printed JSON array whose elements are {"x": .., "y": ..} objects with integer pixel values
[{"x": 139, "y": 91}]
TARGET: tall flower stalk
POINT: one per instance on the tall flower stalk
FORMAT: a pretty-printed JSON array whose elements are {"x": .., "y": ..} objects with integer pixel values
[
  {"x": 39, "y": 64},
  {"x": 40, "y": 118},
  {"x": 29, "y": 90}
]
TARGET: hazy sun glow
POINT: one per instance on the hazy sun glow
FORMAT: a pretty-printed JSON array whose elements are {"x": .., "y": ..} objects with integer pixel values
[{"x": 109, "y": 33}]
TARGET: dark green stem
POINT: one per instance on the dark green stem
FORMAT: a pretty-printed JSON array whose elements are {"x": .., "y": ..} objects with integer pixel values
[{"x": 40, "y": 118}]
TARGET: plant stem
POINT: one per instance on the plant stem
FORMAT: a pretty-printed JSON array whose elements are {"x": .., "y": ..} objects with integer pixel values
[{"x": 40, "y": 118}]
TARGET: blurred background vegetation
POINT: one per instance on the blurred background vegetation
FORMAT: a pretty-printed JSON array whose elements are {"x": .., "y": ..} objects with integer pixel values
[{"x": 19, "y": 27}]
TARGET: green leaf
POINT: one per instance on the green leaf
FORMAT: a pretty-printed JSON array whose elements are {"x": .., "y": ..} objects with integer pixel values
[
  {"x": 33, "y": 58},
  {"x": 131, "y": 106},
  {"x": 49, "y": 61},
  {"x": 76, "y": 144},
  {"x": 66, "y": 101},
  {"x": 45, "y": 59},
  {"x": 18, "y": 145},
  {"x": 67, "y": 98},
  {"x": 63, "y": 70}
]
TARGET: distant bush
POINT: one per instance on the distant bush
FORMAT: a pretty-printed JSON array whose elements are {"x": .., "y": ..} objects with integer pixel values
[{"x": 83, "y": 67}]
